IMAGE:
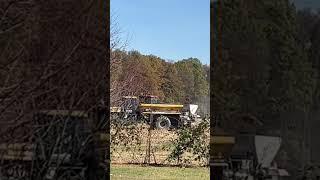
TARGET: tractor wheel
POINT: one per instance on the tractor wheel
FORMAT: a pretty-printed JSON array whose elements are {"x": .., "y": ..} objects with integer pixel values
[{"x": 163, "y": 122}]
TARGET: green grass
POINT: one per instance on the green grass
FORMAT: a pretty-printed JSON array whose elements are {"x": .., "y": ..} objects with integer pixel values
[{"x": 135, "y": 172}]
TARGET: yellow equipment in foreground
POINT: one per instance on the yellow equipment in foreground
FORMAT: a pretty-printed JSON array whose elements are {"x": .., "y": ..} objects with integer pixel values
[{"x": 222, "y": 146}]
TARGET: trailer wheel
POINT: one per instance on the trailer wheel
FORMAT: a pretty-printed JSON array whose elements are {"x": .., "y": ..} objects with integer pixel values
[{"x": 163, "y": 122}]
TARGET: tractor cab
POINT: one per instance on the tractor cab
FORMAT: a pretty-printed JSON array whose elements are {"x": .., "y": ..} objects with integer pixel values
[{"x": 129, "y": 104}]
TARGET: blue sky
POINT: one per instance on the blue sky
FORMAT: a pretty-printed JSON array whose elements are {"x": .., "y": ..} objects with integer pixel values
[{"x": 170, "y": 29}]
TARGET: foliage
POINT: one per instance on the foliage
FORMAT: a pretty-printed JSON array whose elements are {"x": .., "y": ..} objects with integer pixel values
[
  {"x": 194, "y": 141},
  {"x": 183, "y": 81},
  {"x": 185, "y": 146},
  {"x": 127, "y": 134},
  {"x": 261, "y": 68}
]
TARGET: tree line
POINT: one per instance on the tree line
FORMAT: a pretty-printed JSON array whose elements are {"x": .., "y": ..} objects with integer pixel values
[{"x": 184, "y": 81}]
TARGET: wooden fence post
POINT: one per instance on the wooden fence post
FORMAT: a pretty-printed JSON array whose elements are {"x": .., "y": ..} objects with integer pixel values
[{"x": 148, "y": 154}]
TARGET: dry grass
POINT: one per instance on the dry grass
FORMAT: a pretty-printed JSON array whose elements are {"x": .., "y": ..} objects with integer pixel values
[{"x": 160, "y": 148}]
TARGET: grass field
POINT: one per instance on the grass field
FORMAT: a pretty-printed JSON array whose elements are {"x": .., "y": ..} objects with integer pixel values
[{"x": 136, "y": 172}]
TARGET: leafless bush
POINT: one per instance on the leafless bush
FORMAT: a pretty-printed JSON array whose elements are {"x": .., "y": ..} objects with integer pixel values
[{"x": 52, "y": 56}]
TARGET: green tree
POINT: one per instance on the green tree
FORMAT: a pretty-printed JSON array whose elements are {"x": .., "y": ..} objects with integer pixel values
[
  {"x": 193, "y": 77},
  {"x": 172, "y": 84}
]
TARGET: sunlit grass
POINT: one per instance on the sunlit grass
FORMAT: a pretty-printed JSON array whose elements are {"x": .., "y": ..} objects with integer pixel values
[{"x": 136, "y": 172}]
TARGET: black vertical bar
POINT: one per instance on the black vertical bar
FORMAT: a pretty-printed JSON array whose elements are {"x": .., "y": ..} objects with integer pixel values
[
  {"x": 211, "y": 94},
  {"x": 216, "y": 172},
  {"x": 107, "y": 98}
]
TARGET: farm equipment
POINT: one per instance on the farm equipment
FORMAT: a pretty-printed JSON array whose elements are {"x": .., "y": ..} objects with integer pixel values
[
  {"x": 64, "y": 145},
  {"x": 245, "y": 156},
  {"x": 161, "y": 116}
]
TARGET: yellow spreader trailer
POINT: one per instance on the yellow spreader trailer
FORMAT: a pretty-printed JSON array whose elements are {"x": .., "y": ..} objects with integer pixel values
[
  {"x": 173, "y": 108},
  {"x": 157, "y": 114}
]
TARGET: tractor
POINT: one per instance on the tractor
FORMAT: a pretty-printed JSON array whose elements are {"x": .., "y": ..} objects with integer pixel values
[{"x": 158, "y": 115}]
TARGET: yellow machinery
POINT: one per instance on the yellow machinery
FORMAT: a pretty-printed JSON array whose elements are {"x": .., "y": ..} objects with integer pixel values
[
  {"x": 245, "y": 155},
  {"x": 221, "y": 146},
  {"x": 163, "y": 115},
  {"x": 169, "y": 108}
]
